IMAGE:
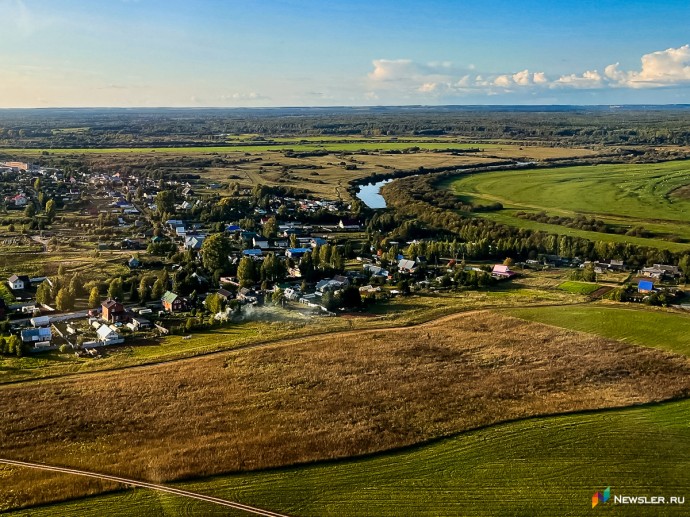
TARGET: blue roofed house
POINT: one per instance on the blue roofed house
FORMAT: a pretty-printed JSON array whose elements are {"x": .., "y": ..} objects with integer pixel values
[
  {"x": 295, "y": 253},
  {"x": 40, "y": 337},
  {"x": 645, "y": 286}
]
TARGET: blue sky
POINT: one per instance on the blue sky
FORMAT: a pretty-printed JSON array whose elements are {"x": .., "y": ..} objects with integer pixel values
[{"x": 311, "y": 53}]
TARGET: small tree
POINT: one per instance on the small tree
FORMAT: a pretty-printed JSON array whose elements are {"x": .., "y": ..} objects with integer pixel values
[
  {"x": 246, "y": 273},
  {"x": 157, "y": 290},
  {"x": 144, "y": 289},
  {"x": 14, "y": 343},
  {"x": 115, "y": 289},
  {"x": 508, "y": 262},
  {"x": 64, "y": 300},
  {"x": 50, "y": 210},
  {"x": 94, "y": 298},
  {"x": 277, "y": 297},
  {"x": 214, "y": 303}
]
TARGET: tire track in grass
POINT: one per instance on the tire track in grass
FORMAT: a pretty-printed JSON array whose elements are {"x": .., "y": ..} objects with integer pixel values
[{"x": 143, "y": 484}]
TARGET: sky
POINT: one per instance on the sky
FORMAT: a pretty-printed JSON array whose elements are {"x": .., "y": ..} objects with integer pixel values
[{"x": 228, "y": 53}]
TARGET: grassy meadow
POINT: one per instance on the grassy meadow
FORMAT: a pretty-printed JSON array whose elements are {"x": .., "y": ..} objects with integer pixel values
[
  {"x": 654, "y": 327},
  {"x": 625, "y": 195},
  {"x": 322, "y": 398},
  {"x": 578, "y": 287}
]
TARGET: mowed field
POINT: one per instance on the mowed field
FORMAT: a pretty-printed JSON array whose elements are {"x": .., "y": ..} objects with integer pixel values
[
  {"x": 648, "y": 195},
  {"x": 340, "y": 396}
]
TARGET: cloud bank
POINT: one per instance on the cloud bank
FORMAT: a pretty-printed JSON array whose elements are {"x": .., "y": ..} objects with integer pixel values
[{"x": 660, "y": 69}]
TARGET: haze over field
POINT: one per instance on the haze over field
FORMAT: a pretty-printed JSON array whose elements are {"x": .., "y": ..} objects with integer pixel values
[{"x": 309, "y": 53}]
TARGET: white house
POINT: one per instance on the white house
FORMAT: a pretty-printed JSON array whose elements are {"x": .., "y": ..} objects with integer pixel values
[
  {"x": 107, "y": 335},
  {"x": 17, "y": 282}
]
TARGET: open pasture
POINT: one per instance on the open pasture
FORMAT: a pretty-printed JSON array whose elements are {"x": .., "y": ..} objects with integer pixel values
[
  {"x": 626, "y": 195},
  {"x": 655, "y": 328}
]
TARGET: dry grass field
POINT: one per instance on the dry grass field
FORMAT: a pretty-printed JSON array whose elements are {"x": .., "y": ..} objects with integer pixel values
[{"x": 318, "y": 398}]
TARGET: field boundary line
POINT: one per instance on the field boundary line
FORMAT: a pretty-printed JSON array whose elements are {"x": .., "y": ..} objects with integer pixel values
[{"x": 143, "y": 484}]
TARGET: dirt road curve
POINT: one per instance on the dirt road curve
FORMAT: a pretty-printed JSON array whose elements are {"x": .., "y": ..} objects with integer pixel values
[{"x": 143, "y": 484}]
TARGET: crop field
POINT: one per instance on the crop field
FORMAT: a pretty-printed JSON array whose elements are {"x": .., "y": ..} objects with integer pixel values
[
  {"x": 648, "y": 195},
  {"x": 323, "y": 398},
  {"x": 492, "y": 471},
  {"x": 653, "y": 328}
]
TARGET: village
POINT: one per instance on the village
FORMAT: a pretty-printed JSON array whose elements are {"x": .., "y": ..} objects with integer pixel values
[{"x": 191, "y": 258}]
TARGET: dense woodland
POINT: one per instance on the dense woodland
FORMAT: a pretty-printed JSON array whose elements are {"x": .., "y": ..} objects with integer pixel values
[{"x": 567, "y": 125}]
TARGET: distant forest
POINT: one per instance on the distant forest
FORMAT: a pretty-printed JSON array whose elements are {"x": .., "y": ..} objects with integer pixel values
[{"x": 563, "y": 125}]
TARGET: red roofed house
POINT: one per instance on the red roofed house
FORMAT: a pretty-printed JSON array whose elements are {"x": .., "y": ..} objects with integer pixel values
[
  {"x": 113, "y": 311},
  {"x": 501, "y": 271}
]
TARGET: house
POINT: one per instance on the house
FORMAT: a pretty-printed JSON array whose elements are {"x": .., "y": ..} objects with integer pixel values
[
  {"x": 349, "y": 224},
  {"x": 19, "y": 282},
  {"x": 39, "y": 335},
  {"x": 345, "y": 281},
  {"x": 375, "y": 270},
  {"x": 246, "y": 295},
  {"x": 113, "y": 311},
  {"x": 407, "y": 266},
  {"x": 329, "y": 284},
  {"x": 292, "y": 293},
  {"x": 295, "y": 253},
  {"x": 224, "y": 294},
  {"x": 139, "y": 323},
  {"x": 501, "y": 271},
  {"x": 253, "y": 253},
  {"x": 133, "y": 263},
  {"x": 193, "y": 242},
  {"x": 260, "y": 243},
  {"x": 645, "y": 286},
  {"x": 20, "y": 200},
  {"x": 668, "y": 270},
  {"x": 652, "y": 272},
  {"x": 317, "y": 241},
  {"x": 172, "y": 302},
  {"x": 108, "y": 336},
  {"x": 188, "y": 192}
]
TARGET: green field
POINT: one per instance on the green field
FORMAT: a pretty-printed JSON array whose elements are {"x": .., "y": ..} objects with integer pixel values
[
  {"x": 653, "y": 328},
  {"x": 544, "y": 466},
  {"x": 578, "y": 287},
  {"x": 648, "y": 195}
]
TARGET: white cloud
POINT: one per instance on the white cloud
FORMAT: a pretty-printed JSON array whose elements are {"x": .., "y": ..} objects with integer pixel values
[
  {"x": 661, "y": 68},
  {"x": 438, "y": 79},
  {"x": 589, "y": 79}
]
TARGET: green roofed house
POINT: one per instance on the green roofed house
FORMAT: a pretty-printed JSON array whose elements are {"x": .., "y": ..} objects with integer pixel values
[{"x": 173, "y": 302}]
